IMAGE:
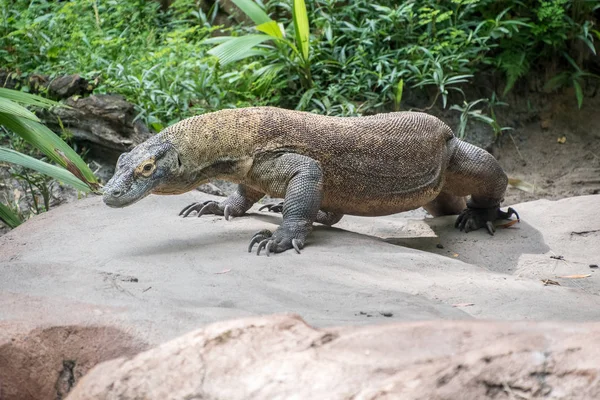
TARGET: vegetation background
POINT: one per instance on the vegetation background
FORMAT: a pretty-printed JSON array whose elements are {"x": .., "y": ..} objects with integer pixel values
[{"x": 174, "y": 59}]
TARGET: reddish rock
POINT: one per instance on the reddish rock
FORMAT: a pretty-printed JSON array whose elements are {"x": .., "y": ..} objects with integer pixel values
[
  {"x": 281, "y": 357},
  {"x": 45, "y": 363}
]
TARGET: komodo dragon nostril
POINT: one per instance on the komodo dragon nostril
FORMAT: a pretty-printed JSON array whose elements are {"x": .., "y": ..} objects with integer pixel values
[{"x": 116, "y": 193}]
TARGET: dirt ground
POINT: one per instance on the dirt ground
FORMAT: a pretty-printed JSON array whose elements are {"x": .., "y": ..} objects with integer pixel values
[{"x": 555, "y": 170}]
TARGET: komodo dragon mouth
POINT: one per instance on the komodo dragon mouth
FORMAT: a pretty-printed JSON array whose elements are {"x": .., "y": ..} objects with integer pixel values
[{"x": 318, "y": 164}]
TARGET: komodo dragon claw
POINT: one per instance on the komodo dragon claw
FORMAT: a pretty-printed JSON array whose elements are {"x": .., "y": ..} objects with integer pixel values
[
  {"x": 207, "y": 207},
  {"x": 471, "y": 219},
  {"x": 274, "y": 207},
  {"x": 273, "y": 242}
]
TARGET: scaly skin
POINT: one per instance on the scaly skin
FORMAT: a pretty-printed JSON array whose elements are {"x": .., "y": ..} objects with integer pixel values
[{"x": 324, "y": 167}]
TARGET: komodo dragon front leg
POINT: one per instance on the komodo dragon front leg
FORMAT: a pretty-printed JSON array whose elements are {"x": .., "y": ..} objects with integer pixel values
[{"x": 300, "y": 180}]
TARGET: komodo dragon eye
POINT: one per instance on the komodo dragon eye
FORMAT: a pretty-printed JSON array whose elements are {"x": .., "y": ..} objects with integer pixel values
[{"x": 146, "y": 169}]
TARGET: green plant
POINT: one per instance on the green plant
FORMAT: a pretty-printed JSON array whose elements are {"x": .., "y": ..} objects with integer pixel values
[
  {"x": 72, "y": 170},
  {"x": 271, "y": 43}
]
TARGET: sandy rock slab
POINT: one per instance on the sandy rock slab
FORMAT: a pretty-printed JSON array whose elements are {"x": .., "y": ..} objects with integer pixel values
[
  {"x": 281, "y": 357},
  {"x": 86, "y": 283}
]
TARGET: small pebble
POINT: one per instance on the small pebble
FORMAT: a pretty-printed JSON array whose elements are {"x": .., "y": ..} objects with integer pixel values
[
  {"x": 593, "y": 266},
  {"x": 440, "y": 246}
]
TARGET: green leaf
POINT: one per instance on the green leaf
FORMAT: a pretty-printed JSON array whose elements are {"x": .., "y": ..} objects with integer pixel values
[
  {"x": 48, "y": 143},
  {"x": 271, "y": 28},
  {"x": 10, "y": 107},
  {"x": 14, "y": 157},
  {"x": 9, "y": 216},
  {"x": 253, "y": 11},
  {"x": 217, "y": 39},
  {"x": 398, "y": 95},
  {"x": 238, "y": 48},
  {"x": 301, "y": 27},
  {"x": 26, "y": 98},
  {"x": 578, "y": 93}
]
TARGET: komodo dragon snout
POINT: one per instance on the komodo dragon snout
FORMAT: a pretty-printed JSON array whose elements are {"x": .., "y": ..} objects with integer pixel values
[
  {"x": 142, "y": 171},
  {"x": 323, "y": 167}
]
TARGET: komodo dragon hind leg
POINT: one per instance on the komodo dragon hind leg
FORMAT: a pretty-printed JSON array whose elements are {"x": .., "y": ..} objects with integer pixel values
[
  {"x": 473, "y": 171},
  {"x": 303, "y": 195},
  {"x": 323, "y": 217},
  {"x": 471, "y": 219},
  {"x": 233, "y": 206}
]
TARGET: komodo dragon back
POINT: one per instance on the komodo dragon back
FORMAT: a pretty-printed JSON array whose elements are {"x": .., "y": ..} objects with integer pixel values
[{"x": 324, "y": 167}]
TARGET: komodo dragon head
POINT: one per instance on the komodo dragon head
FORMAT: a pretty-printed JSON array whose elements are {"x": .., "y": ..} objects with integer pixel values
[{"x": 151, "y": 167}]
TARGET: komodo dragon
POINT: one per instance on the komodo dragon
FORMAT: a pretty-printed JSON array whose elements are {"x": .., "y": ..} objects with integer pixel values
[{"x": 323, "y": 167}]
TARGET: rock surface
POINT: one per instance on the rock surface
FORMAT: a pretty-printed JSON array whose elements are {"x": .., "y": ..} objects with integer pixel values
[
  {"x": 144, "y": 272},
  {"x": 281, "y": 357}
]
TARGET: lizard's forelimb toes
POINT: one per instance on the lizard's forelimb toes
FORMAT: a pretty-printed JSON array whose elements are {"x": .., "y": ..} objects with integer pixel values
[
  {"x": 258, "y": 238},
  {"x": 277, "y": 242},
  {"x": 189, "y": 208},
  {"x": 210, "y": 207},
  {"x": 471, "y": 219},
  {"x": 274, "y": 207},
  {"x": 262, "y": 245}
]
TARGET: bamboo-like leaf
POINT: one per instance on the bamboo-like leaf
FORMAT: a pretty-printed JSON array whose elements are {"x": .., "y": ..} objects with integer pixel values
[
  {"x": 271, "y": 28},
  {"x": 47, "y": 142},
  {"x": 10, "y": 107},
  {"x": 9, "y": 216},
  {"x": 252, "y": 10},
  {"x": 14, "y": 157},
  {"x": 238, "y": 48},
  {"x": 301, "y": 27},
  {"x": 27, "y": 98}
]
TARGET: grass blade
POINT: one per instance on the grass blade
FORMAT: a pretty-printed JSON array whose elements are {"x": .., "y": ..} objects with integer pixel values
[
  {"x": 14, "y": 157},
  {"x": 578, "y": 93},
  {"x": 9, "y": 217},
  {"x": 301, "y": 27}
]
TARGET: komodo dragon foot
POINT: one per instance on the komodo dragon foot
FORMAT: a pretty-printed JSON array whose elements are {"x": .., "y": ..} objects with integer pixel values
[
  {"x": 275, "y": 207},
  {"x": 284, "y": 238},
  {"x": 210, "y": 207},
  {"x": 471, "y": 219}
]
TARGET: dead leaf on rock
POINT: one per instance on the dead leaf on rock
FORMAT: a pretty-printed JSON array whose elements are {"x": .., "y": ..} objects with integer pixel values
[
  {"x": 455, "y": 255},
  {"x": 577, "y": 276},
  {"x": 547, "y": 282},
  {"x": 508, "y": 224},
  {"x": 521, "y": 185},
  {"x": 223, "y": 272},
  {"x": 463, "y": 304},
  {"x": 561, "y": 140}
]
